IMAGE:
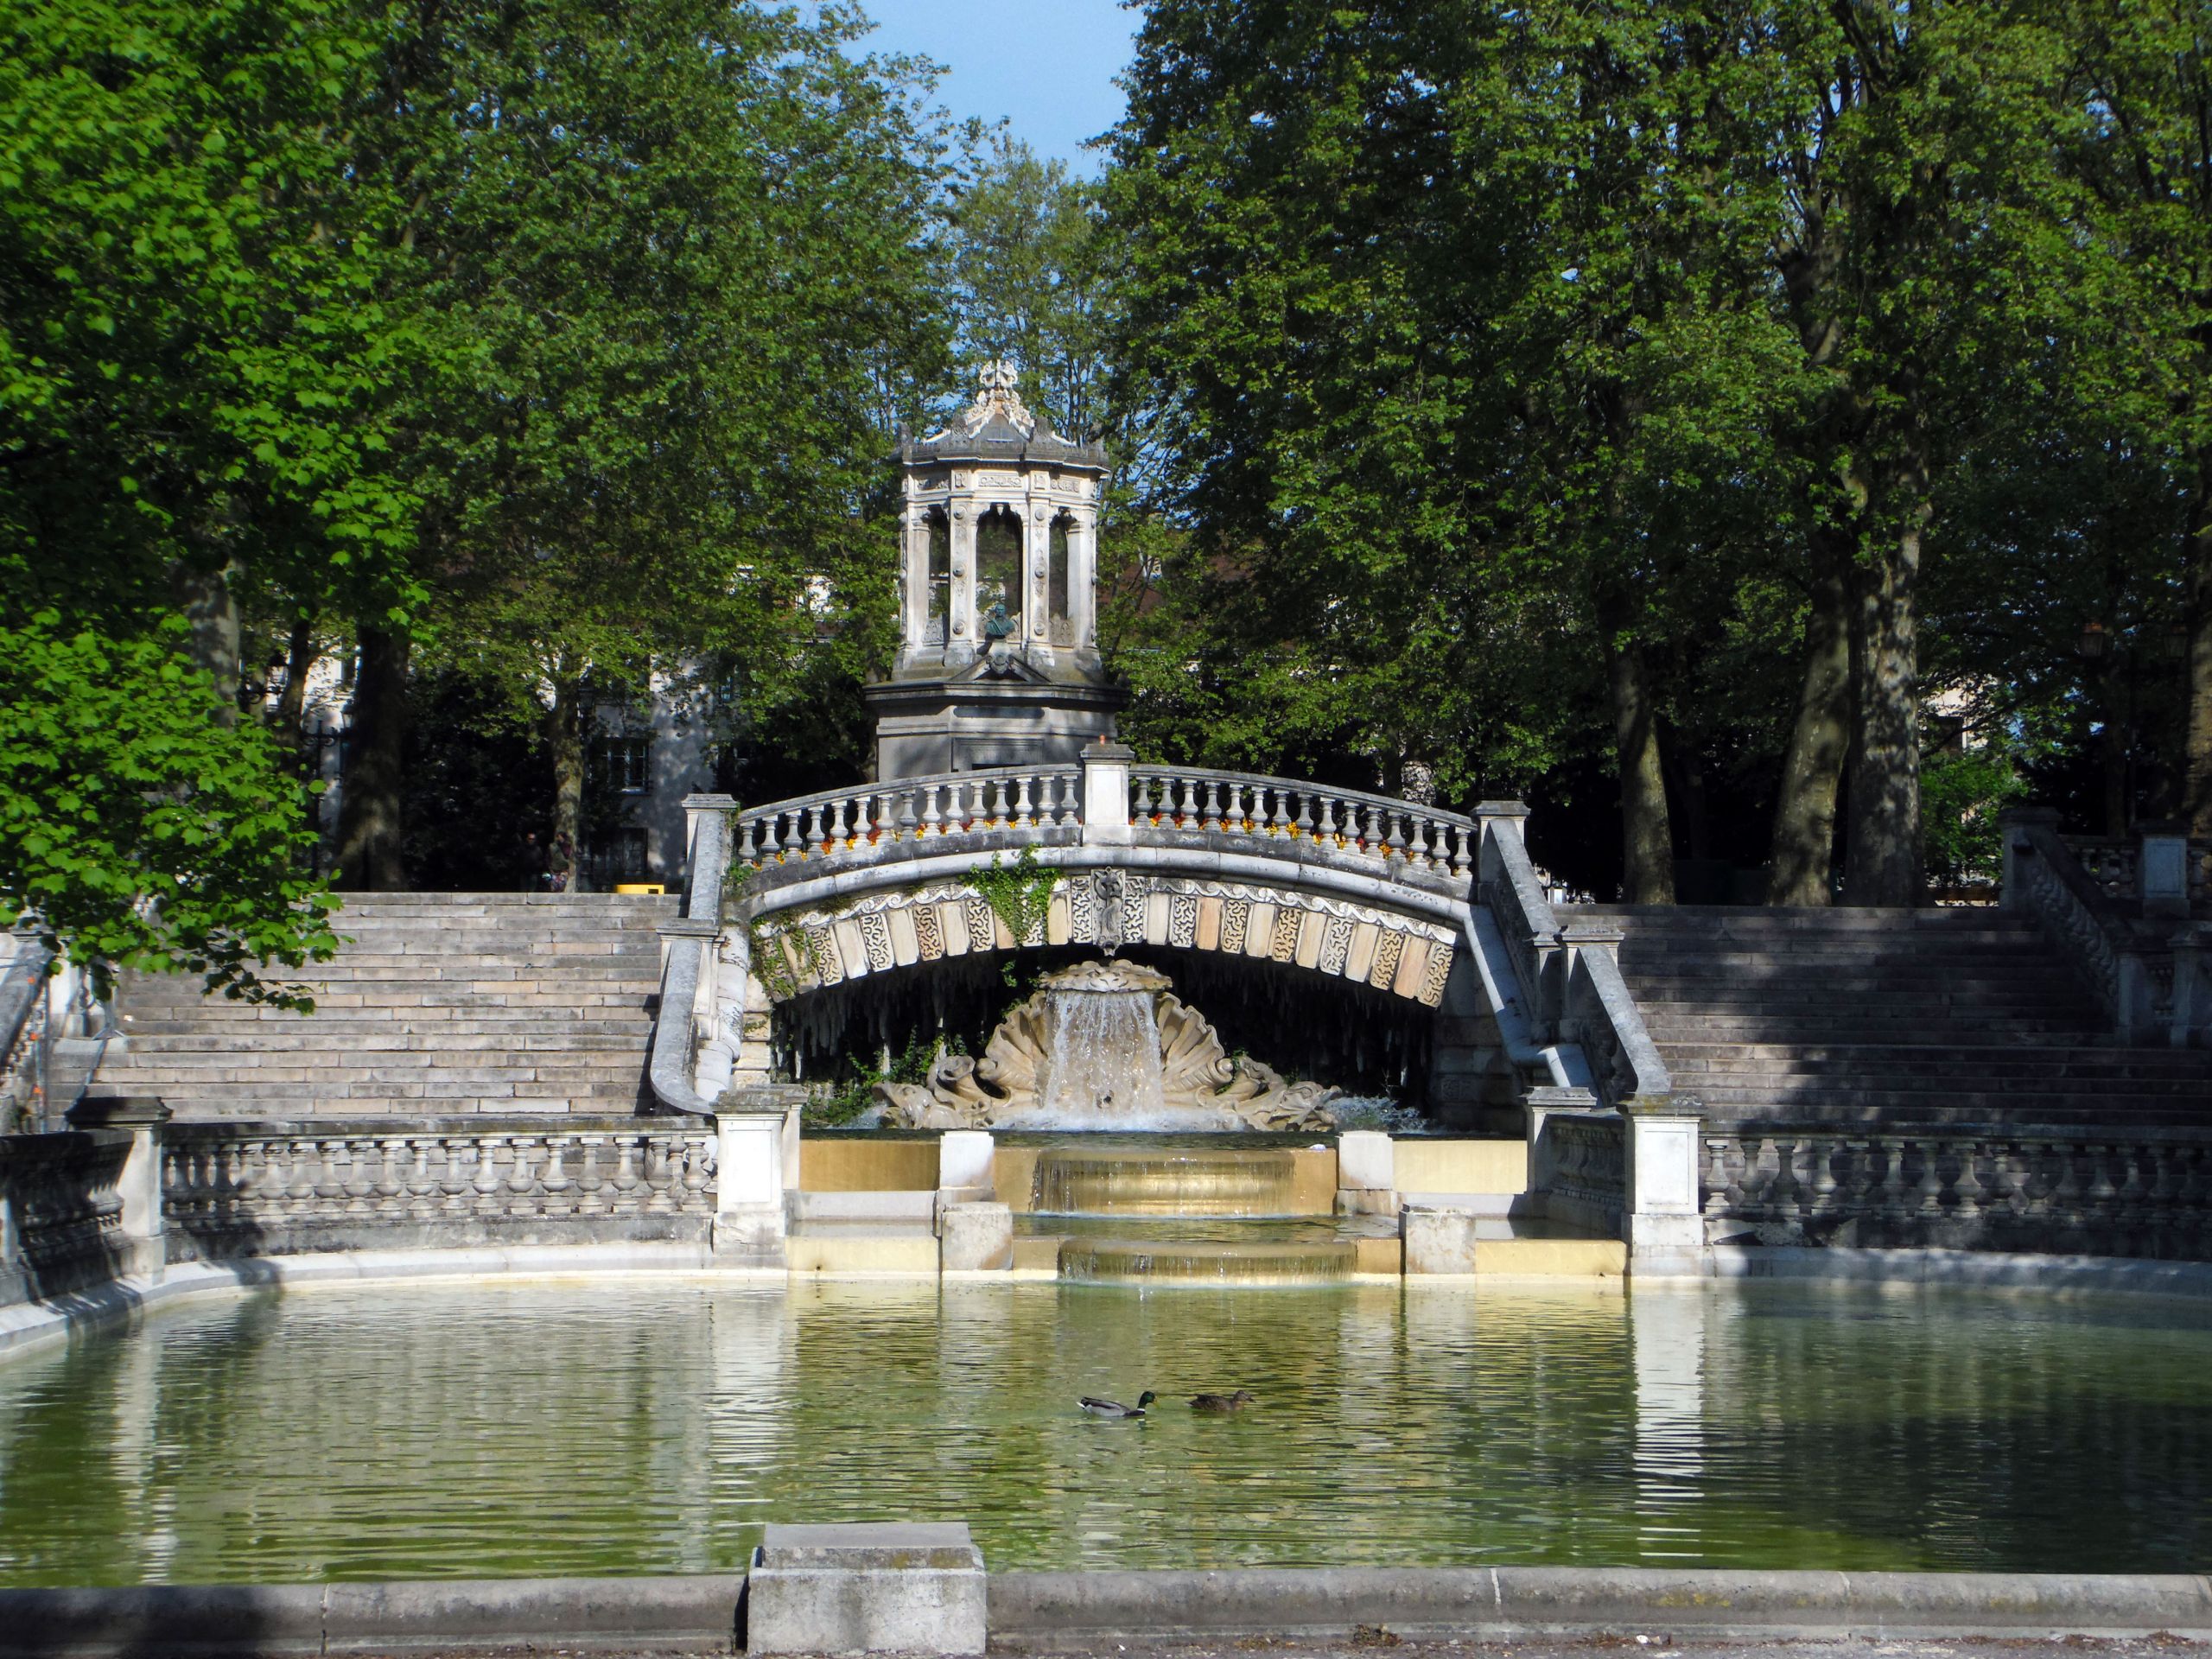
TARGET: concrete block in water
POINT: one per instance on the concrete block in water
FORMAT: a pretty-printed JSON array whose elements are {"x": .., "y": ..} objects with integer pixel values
[
  {"x": 885, "y": 1587},
  {"x": 1365, "y": 1162},
  {"x": 977, "y": 1238},
  {"x": 1438, "y": 1238}
]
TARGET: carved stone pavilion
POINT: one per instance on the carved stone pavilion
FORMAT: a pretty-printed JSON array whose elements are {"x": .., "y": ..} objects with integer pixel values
[{"x": 998, "y": 657}]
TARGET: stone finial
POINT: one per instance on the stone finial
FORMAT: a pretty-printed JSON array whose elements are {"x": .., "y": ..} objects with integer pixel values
[{"x": 998, "y": 395}]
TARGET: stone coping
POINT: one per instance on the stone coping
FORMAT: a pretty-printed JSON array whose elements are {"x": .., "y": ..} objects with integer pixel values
[
  {"x": 700, "y": 1612},
  {"x": 25, "y": 1325}
]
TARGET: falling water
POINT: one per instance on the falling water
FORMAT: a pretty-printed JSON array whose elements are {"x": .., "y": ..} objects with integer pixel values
[
  {"x": 1110, "y": 1261},
  {"x": 1177, "y": 1181},
  {"x": 1104, "y": 1061}
]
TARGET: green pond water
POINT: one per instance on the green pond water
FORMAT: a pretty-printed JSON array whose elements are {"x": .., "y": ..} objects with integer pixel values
[{"x": 631, "y": 1427}]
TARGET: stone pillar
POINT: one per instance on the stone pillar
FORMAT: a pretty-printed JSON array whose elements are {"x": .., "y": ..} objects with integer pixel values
[
  {"x": 964, "y": 1166},
  {"x": 1438, "y": 1239},
  {"x": 1546, "y": 1100},
  {"x": 750, "y": 1170},
  {"x": 2192, "y": 1012},
  {"x": 975, "y": 1238},
  {"x": 14, "y": 1287},
  {"x": 1036, "y": 558},
  {"x": 889, "y": 1588},
  {"x": 2015, "y": 824},
  {"x": 2162, "y": 872},
  {"x": 1106, "y": 793},
  {"x": 1083, "y": 576},
  {"x": 960, "y": 604},
  {"x": 914, "y": 582},
  {"x": 1367, "y": 1174},
  {"x": 1661, "y": 1219},
  {"x": 139, "y": 1190}
]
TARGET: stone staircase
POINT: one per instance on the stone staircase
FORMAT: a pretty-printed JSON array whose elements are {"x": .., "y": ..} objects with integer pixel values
[
  {"x": 441, "y": 1003},
  {"x": 1881, "y": 1018}
]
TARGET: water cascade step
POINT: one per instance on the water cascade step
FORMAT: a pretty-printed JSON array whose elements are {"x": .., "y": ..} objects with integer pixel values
[
  {"x": 1173, "y": 1181},
  {"x": 1124, "y": 1262}
]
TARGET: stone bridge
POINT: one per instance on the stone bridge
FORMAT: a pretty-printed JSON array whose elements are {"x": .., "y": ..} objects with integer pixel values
[{"x": 1442, "y": 910}]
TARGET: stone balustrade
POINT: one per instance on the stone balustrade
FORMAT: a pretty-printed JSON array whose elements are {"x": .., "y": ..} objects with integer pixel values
[
  {"x": 1034, "y": 799},
  {"x": 2140, "y": 1192},
  {"x": 61, "y": 1211},
  {"x": 1415, "y": 841},
  {"x": 248, "y": 1189}
]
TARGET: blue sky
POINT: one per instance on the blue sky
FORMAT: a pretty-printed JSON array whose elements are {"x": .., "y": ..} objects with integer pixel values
[{"x": 1047, "y": 68}]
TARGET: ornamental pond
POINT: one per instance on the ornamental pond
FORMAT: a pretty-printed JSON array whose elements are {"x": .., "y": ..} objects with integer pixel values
[{"x": 649, "y": 1425}]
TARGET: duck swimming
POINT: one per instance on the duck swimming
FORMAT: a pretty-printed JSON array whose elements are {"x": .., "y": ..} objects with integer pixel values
[
  {"x": 1099, "y": 1407},
  {"x": 1235, "y": 1401}
]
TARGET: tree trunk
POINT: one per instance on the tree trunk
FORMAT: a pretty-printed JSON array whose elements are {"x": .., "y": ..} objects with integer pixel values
[
  {"x": 1882, "y": 855},
  {"x": 370, "y": 799},
  {"x": 300, "y": 656},
  {"x": 2196, "y": 787},
  {"x": 564, "y": 730},
  {"x": 1647, "y": 837},
  {"x": 1804, "y": 848},
  {"x": 212, "y": 611}
]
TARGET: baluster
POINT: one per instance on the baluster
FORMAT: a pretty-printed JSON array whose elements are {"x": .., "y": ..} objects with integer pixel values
[
  {"x": 1304, "y": 824},
  {"x": 389, "y": 1184},
  {"x": 1372, "y": 841},
  {"x": 659, "y": 1180},
  {"x": 329, "y": 1189},
  {"x": 696, "y": 1175},
  {"x": 555, "y": 1181},
  {"x": 625, "y": 1170},
  {"x": 1929, "y": 1188},
  {"x": 1213, "y": 818},
  {"x": 864, "y": 820},
  {"x": 1417, "y": 849},
  {"x": 1188, "y": 818},
  {"x": 521, "y": 1182},
  {"x": 1025, "y": 810},
  {"x": 1463, "y": 860},
  {"x": 1048, "y": 798},
  {"x": 772, "y": 845},
  {"x": 1277, "y": 812},
  {"x": 1143, "y": 813},
  {"x": 1892, "y": 1187},
  {"x": 486, "y": 1184},
  {"x": 1966, "y": 1185},
  {"x": 959, "y": 811},
  {"x": 455, "y": 1181},
  {"x": 747, "y": 828},
  {"x": 1821, "y": 1193},
  {"x": 1070, "y": 799},
  {"x": 837, "y": 833},
  {"x": 1233, "y": 821},
  {"x": 932, "y": 820},
  {"x": 1395, "y": 843},
  {"x": 817, "y": 829},
  {"x": 904, "y": 829},
  {"x": 591, "y": 1195}
]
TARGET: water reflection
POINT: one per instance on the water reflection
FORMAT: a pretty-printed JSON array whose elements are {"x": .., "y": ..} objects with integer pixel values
[{"x": 614, "y": 1427}]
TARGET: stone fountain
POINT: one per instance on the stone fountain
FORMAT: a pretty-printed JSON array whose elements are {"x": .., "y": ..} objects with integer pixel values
[{"x": 1106, "y": 1046}]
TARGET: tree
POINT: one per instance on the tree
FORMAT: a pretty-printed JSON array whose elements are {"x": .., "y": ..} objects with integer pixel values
[{"x": 197, "y": 376}]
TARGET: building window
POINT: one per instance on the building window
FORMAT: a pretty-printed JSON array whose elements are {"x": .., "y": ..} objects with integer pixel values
[
  {"x": 617, "y": 855},
  {"x": 626, "y": 763}
]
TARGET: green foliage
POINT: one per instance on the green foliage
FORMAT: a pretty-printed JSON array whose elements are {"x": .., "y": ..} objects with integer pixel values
[
  {"x": 834, "y": 1106},
  {"x": 774, "y": 943},
  {"x": 1961, "y": 793},
  {"x": 135, "y": 831},
  {"x": 1020, "y": 893}
]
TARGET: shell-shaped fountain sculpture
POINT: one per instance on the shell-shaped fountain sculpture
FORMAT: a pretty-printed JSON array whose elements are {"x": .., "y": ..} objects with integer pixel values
[{"x": 1106, "y": 1046}]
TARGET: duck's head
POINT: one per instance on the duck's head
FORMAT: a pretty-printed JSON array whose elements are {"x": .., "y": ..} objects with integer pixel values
[
  {"x": 1243, "y": 1396},
  {"x": 1145, "y": 1399}
]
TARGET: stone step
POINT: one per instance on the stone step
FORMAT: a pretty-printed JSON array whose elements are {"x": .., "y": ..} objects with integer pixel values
[
  {"x": 518, "y": 1025},
  {"x": 553, "y": 1039},
  {"x": 2143, "y": 1061}
]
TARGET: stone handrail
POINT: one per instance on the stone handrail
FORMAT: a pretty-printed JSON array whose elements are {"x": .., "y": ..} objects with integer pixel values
[
  {"x": 234, "y": 1189},
  {"x": 2115, "y": 863},
  {"x": 1423, "y": 841},
  {"x": 1570, "y": 979},
  {"x": 60, "y": 1212},
  {"x": 1579, "y": 1165},
  {"x": 995, "y": 800},
  {"x": 687, "y": 989},
  {"x": 22, "y": 1036},
  {"x": 2143, "y": 976},
  {"x": 2135, "y": 1191}
]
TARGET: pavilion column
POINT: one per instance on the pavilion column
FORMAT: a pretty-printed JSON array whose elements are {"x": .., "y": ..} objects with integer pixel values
[
  {"x": 1037, "y": 556},
  {"x": 960, "y": 633},
  {"x": 1083, "y": 576},
  {"x": 914, "y": 592}
]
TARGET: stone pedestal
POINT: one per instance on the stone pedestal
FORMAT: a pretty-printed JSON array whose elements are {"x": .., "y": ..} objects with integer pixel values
[
  {"x": 976, "y": 1238},
  {"x": 1367, "y": 1175},
  {"x": 869, "y": 1588},
  {"x": 1438, "y": 1238},
  {"x": 1662, "y": 1218},
  {"x": 139, "y": 1190},
  {"x": 751, "y": 1154},
  {"x": 964, "y": 1166}
]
